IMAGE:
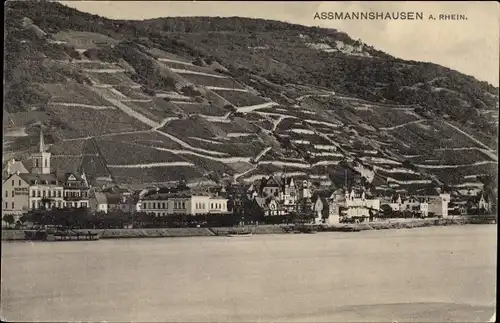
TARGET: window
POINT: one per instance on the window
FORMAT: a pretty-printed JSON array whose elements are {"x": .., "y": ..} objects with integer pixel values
[
  {"x": 84, "y": 204},
  {"x": 19, "y": 182},
  {"x": 33, "y": 204},
  {"x": 58, "y": 193},
  {"x": 45, "y": 162},
  {"x": 59, "y": 204},
  {"x": 13, "y": 183},
  {"x": 37, "y": 193},
  {"x": 12, "y": 193},
  {"x": 211, "y": 205},
  {"x": 13, "y": 205},
  {"x": 6, "y": 205},
  {"x": 154, "y": 205}
]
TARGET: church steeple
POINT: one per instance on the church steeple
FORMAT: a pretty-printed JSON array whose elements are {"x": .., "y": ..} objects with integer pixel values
[
  {"x": 41, "y": 148},
  {"x": 41, "y": 159}
]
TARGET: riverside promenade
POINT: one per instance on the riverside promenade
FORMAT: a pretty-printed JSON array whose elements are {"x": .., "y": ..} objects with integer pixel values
[{"x": 13, "y": 235}]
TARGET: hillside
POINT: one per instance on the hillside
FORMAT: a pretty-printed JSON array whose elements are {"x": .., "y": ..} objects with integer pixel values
[{"x": 236, "y": 99}]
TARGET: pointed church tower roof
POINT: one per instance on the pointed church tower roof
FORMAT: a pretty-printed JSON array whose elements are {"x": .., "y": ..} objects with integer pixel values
[{"x": 42, "y": 144}]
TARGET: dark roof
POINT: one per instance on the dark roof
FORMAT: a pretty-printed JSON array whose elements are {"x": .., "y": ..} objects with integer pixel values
[
  {"x": 322, "y": 193},
  {"x": 273, "y": 181},
  {"x": 236, "y": 189},
  {"x": 28, "y": 163},
  {"x": 51, "y": 179},
  {"x": 165, "y": 196},
  {"x": 113, "y": 198},
  {"x": 41, "y": 178},
  {"x": 166, "y": 190}
]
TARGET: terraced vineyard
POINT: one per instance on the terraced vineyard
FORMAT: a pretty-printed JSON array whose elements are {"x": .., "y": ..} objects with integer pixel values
[{"x": 235, "y": 105}]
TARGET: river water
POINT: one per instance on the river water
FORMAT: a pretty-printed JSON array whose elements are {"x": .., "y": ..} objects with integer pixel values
[{"x": 426, "y": 274}]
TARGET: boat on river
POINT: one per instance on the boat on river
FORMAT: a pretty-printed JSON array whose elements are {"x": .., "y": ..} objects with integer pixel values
[{"x": 239, "y": 234}]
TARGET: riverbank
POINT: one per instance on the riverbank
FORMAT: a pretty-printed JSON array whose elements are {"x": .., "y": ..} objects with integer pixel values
[
  {"x": 12, "y": 235},
  {"x": 319, "y": 277}
]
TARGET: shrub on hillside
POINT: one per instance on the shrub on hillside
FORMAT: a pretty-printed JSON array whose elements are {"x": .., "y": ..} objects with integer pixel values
[
  {"x": 189, "y": 90},
  {"x": 198, "y": 62}
]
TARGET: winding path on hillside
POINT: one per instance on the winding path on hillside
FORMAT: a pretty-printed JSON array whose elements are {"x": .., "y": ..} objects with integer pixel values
[{"x": 402, "y": 125}]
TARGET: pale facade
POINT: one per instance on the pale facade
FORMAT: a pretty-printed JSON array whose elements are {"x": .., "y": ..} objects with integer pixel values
[
  {"x": 39, "y": 188},
  {"x": 289, "y": 192},
  {"x": 218, "y": 205},
  {"x": 274, "y": 208},
  {"x": 166, "y": 204},
  {"x": 14, "y": 167},
  {"x": 483, "y": 204},
  {"x": 424, "y": 209},
  {"x": 98, "y": 202},
  {"x": 327, "y": 209},
  {"x": 318, "y": 209},
  {"x": 283, "y": 190},
  {"x": 41, "y": 159},
  {"x": 410, "y": 204},
  {"x": 15, "y": 195},
  {"x": 357, "y": 205},
  {"x": 439, "y": 205},
  {"x": 46, "y": 193},
  {"x": 304, "y": 190}
]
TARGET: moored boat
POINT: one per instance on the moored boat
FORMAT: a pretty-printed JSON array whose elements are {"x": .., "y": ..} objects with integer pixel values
[{"x": 239, "y": 234}]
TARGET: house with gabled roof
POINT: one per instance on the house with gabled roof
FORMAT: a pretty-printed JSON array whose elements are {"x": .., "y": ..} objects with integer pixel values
[
  {"x": 479, "y": 203},
  {"x": 270, "y": 206},
  {"x": 43, "y": 188},
  {"x": 283, "y": 189}
]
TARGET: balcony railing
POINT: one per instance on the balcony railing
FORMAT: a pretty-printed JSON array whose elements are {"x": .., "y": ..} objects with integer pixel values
[{"x": 75, "y": 198}]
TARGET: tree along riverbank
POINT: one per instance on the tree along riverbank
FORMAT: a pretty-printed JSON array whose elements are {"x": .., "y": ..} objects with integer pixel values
[{"x": 263, "y": 229}]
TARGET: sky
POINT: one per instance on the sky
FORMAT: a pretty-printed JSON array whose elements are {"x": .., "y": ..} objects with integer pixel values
[{"x": 470, "y": 46}]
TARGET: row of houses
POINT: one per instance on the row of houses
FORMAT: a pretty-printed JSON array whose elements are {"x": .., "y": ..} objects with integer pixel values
[
  {"x": 282, "y": 195},
  {"x": 38, "y": 187},
  {"x": 26, "y": 189}
]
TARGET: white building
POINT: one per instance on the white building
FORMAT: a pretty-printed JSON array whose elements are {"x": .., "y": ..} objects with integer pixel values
[
  {"x": 358, "y": 206},
  {"x": 163, "y": 204},
  {"x": 40, "y": 188},
  {"x": 326, "y": 209},
  {"x": 438, "y": 205}
]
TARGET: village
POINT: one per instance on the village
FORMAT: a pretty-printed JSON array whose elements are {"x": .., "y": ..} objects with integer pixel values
[{"x": 271, "y": 199}]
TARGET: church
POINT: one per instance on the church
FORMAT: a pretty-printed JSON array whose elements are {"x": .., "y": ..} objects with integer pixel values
[{"x": 25, "y": 189}]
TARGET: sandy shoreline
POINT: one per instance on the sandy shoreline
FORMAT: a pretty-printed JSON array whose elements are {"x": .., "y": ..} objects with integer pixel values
[{"x": 13, "y": 235}]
